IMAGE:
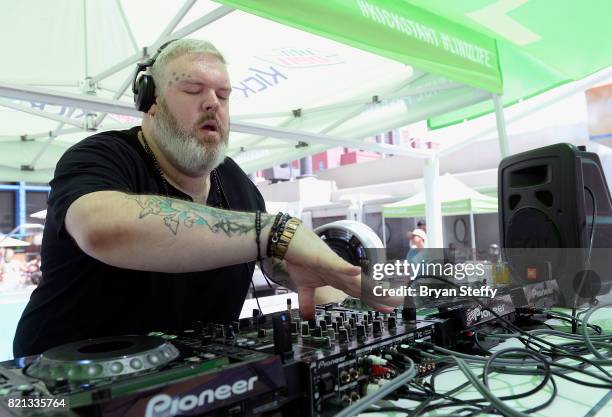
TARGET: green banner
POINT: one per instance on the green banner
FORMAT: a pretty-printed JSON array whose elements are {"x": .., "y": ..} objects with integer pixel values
[{"x": 393, "y": 29}]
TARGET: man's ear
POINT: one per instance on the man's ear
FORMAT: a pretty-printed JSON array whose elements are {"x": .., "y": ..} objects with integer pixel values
[{"x": 152, "y": 110}]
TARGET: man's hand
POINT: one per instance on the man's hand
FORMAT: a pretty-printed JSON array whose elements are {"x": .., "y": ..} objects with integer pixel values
[{"x": 312, "y": 264}]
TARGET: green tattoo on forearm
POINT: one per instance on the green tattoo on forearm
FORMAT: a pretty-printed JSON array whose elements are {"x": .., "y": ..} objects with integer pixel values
[{"x": 176, "y": 213}]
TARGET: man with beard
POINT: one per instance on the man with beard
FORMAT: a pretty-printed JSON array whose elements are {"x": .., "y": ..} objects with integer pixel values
[{"x": 154, "y": 228}]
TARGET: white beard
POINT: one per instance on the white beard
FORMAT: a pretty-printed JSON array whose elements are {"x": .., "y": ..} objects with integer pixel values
[{"x": 182, "y": 147}]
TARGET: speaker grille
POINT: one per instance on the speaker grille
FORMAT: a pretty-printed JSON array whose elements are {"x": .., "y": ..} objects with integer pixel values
[{"x": 532, "y": 228}]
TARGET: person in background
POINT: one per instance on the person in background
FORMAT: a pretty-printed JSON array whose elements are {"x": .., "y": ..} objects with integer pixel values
[
  {"x": 32, "y": 271},
  {"x": 422, "y": 225},
  {"x": 418, "y": 242},
  {"x": 10, "y": 270}
]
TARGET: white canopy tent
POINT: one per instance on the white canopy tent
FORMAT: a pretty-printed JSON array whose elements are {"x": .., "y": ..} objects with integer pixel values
[
  {"x": 456, "y": 198},
  {"x": 295, "y": 93}
]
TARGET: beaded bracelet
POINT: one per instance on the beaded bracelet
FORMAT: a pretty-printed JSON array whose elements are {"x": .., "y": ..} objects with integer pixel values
[
  {"x": 275, "y": 233},
  {"x": 272, "y": 229},
  {"x": 257, "y": 233}
]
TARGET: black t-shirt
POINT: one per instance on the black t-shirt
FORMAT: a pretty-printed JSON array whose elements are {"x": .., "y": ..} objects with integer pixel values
[{"x": 80, "y": 297}]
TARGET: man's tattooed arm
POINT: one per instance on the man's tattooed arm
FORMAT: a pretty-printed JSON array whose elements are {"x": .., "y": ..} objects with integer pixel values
[
  {"x": 177, "y": 214},
  {"x": 276, "y": 271}
]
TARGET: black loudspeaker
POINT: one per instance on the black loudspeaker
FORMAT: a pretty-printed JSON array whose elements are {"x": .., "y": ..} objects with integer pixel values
[
  {"x": 549, "y": 200},
  {"x": 143, "y": 85}
]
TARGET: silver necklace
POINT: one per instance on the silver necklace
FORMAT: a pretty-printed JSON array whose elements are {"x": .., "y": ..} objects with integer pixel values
[{"x": 215, "y": 178}]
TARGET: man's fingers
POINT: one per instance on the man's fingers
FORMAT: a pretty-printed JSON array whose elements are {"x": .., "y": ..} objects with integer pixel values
[
  {"x": 350, "y": 284},
  {"x": 306, "y": 302}
]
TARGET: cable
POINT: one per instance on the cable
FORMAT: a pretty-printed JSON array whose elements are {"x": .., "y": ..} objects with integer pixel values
[
  {"x": 507, "y": 397},
  {"x": 256, "y": 297},
  {"x": 588, "y": 259},
  {"x": 477, "y": 343},
  {"x": 586, "y": 336},
  {"x": 510, "y": 362},
  {"x": 498, "y": 405},
  {"x": 502, "y": 407},
  {"x": 548, "y": 332},
  {"x": 502, "y": 319},
  {"x": 560, "y": 315},
  {"x": 385, "y": 390},
  {"x": 474, "y": 404},
  {"x": 579, "y": 358},
  {"x": 537, "y": 356}
]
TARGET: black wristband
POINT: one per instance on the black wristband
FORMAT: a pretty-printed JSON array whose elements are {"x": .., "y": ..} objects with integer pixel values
[
  {"x": 274, "y": 235},
  {"x": 257, "y": 233}
]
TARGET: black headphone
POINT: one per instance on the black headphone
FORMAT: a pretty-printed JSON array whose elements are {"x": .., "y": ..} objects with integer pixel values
[{"x": 143, "y": 85}]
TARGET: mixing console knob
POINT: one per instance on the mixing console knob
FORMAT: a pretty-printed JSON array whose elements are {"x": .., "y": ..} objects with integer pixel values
[
  {"x": 343, "y": 336},
  {"x": 352, "y": 322},
  {"x": 409, "y": 314},
  {"x": 236, "y": 326},
  {"x": 294, "y": 327},
  {"x": 377, "y": 328},
  {"x": 317, "y": 332},
  {"x": 261, "y": 333},
  {"x": 391, "y": 324},
  {"x": 328, "y": 318},
  {"x": 229, "y": 332},
  {"x": 305, "y": 329},
  {"x": 349, "y": 329},
  {"x": 339, "y": 319},
  {"x": 206, "y": 340},
  {"x": 323, "y": 325},
  {"x": 331, "y": 334},
  {"x": 312, "y": 323},
  {"x": 343, "y": 315},
  {"x": 220, "y": 332},
  {"x": 327, "y": 342},
  {"x": 361, "y": 333},
  {"x": 335, "y": 326}
]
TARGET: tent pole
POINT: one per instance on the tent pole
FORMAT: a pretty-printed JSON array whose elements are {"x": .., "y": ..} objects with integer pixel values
[
  {"x": 433, "y": 204},
  {"x": 384, "y": 232},
  {"x": 472, "y": 230},
  {"x": 501, "y": 126}
]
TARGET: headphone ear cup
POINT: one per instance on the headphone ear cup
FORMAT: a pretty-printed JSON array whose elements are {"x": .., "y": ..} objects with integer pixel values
[{"x": 144, "y": 98}]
